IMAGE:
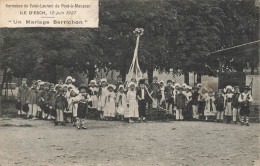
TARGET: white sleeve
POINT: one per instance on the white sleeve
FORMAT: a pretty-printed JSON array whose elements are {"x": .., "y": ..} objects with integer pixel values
[{"x": 240, "y": 98}]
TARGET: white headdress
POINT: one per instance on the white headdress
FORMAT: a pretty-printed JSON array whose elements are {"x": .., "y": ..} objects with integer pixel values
[
  {"x": 103, "y": 80},
  {"x": 70, "y": 78},
  {"x": 75, "y": 90},
  {"x": 228, "y": 87},
  {"x": 112, "y": 86}
]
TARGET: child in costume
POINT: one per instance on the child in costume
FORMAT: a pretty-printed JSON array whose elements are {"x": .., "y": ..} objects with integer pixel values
[
  {"x": 169, "y": 99},
  {"x": 110, "y": 101},
  {"x": 142, "y": 96},
  {"x": 187, "y": 113},
  {"x": 202, "y": 100},
  {"x": 22, "y": 95},
  {"x": 132, "y": 111},
  {"x": 83, "y": 100},
  {"x": 245, "y": 99},
  {"x": 210, "y": 107},
  {"x": 194, "y": 101},
  {"x": 72, "y": 105},
  {"x": 68, "y": 82},
  {"x": 228, "y": 102},
  {"x": 219, "y": 102},
  {"x": 93, "y": 92},
  {"x": 236, "y": 104},
  {"x": 101, "y": 96},
  {"x": 52, "y": 99},
  {"x": 61, "y": 105},
  {"x": 120, "y": 102},
  {"x": 32, "y": 99},
  {"x": 181, "y": 103},
  {"x": 44, "y": 99}
]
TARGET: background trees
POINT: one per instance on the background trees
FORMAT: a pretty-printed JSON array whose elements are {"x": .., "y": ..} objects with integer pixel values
[{"x": 179, "y": 35}]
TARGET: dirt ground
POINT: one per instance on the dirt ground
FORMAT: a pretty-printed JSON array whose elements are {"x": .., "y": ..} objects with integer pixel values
[{"x": 38, "y": 142}]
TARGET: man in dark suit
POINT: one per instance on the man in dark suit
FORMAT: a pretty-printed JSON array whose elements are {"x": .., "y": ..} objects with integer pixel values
[{"x": 142, "y": 97}]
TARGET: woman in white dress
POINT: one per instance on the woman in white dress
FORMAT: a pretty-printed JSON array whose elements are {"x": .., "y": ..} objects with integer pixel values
[
  {"x": 110, "y": 103},
  {"x": 210, "y": 107},
  {"x": 132, "y": 111},
  {"x": 120, "y": 102},
  {"x": 228, "y": 97},
  {"x": 101, "y": 97}
]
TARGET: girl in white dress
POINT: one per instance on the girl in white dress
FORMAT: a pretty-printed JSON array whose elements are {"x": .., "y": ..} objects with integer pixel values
[
  {"x": 228, "y": 102},
  {"x": 110, "y": 103},
  {"x": 101, "y": 96},
  {"x": 120, "y": 102},
  {"x": 210, "y": 107},
  {"x": 132, "y": 111},
  {"x": 72, "y": 105}
]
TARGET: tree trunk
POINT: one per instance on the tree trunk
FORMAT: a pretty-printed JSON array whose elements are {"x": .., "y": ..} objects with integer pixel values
[
  {"x": 150, "y": 74},
  {"x": 91, "y": 73},
  {"x": 51, "y": 73},
  {"x": 123, "y": 73},
  {"x": 198, "y": 78},
  {"x": 252, "y": 70},
  {"x": 186, "y": 78}
]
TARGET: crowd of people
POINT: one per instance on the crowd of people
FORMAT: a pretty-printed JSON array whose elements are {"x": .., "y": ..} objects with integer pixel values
[{"x": 131, "y": 101}]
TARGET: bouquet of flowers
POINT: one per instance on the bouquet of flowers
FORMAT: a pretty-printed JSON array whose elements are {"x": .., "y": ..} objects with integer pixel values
[{"x": 139, "y": 31}]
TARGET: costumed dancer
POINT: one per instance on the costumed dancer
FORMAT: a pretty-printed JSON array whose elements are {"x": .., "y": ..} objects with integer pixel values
[
  {"x": 181, "y": 103},
  {"x": 228, "y": 102},
  {"x": 93, "y": 105},
  {"x": 210, "y": 107},
  {"x": 110, "y": 108},
  {"x": 169, "y": 99},
  {"x": 101, "y": 96},
  {"x": 72, "y": 105},
  {"x": 236, "y": 104},
  {"x": 32, "y": 99},
  {"x": 120, "y": 102},
  {"x": 132, "y": 111},
  {"x": 83, "y": 100},
  {"x": 59, "y": 84},
  {"x": 61, "y": 105},
  {"x": 22, "y": 95},
  {"x": 245, "y": 99},
  {"x": 195, "y": 96},
  {"x": 142, "y": 96},
  {"x": 156, "y": 95},
  {"x": 69, "y": 82},
  {"x": 219, "y": 102},
  {"x": 202, "y": 100},
  {"x": 44, "y": 99},
  {"x": 188, "y": 111},
  {"x": 52, "y": 99}
]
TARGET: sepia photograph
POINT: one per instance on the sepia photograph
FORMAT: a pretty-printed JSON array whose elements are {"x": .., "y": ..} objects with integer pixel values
[{"x": 129, "y": 82}]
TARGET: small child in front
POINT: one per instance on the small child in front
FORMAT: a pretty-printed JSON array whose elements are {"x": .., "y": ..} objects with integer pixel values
[{"x": 61, "y": 105}]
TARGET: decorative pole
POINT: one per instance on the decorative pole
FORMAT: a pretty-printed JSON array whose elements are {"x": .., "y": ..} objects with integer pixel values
[{"x": 134, "y": 70}]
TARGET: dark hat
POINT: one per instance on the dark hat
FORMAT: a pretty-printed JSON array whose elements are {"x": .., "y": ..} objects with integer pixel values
[
  {"x": 25, "y": 108},
  {"x": 18, "y": 105},
  {"x": 142, "y": 81},
  {"x": 247, "y": 87},
  {"x": 83, "y": 86}
]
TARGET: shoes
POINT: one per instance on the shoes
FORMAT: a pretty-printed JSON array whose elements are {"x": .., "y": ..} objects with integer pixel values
[
  {"x": 235, "y": 122},
  {"x": 242, "y": 123},
  {"x": 247, "y": 124},
  {"x": 63, "y": 124}
]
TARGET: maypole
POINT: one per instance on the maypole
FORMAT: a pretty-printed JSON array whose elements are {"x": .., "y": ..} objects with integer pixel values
[{"x": 134, "y": 70}]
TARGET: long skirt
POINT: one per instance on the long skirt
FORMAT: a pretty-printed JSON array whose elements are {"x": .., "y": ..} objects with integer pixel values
[
  {"x": 228, "y": 109},
  {"x": 33, "y": 108},
  {"x": 59, "y": 117},
  {"x": 132, "y": 111},
  {"x": 110, "y": 109}
]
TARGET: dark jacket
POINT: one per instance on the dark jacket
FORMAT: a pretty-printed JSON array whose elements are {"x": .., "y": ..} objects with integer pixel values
[{"x": 61, "y": 103}]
